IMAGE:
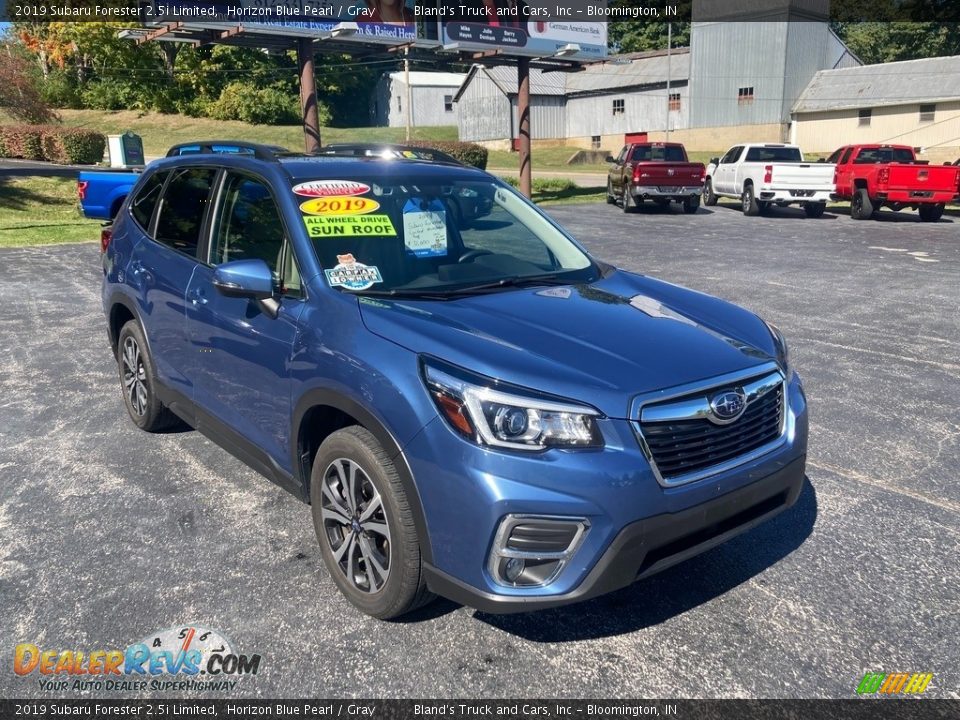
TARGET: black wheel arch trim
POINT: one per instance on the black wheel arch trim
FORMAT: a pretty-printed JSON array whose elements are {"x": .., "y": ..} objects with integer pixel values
[
  {"x": 121, "y": 298},
  {"x": 331, "y": 398}
]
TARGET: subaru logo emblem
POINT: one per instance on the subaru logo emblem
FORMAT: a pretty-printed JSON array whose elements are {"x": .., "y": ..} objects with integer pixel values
[{"x": 727, "y": 406}]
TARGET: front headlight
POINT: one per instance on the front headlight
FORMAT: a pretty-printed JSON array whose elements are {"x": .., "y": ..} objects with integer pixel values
[
  {"x": 783, "y": 352},
  {"x": 502, "y": 418}
]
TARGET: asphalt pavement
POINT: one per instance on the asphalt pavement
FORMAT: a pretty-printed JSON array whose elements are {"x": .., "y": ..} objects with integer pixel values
[{"x": 108, "y": 534}]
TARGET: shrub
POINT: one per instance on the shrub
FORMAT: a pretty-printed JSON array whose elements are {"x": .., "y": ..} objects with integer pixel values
[
  {"x": 23, "y": 141},
  {"x": 51, "y": 142},
  {"x": 110, "y": 94},
  {"x": 260, "y": 105},
  {"x": 71, "y": 146},
  {"x": 60, "y": 90},
  {"x": 465, "y": 152},
  {"x": 545, "y": 185},
  {"x": 20, "y": 95}
]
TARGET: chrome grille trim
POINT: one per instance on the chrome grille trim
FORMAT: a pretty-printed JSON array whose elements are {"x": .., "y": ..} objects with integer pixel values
[{"x": 755, "y": 382}]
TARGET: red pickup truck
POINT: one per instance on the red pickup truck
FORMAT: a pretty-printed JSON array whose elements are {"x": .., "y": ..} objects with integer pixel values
[
  {"x": 654, "y": 171},
  {"x": 873, "y": 176}
]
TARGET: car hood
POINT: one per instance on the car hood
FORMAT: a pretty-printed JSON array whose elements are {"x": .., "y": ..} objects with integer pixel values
[{"x": 600, "y": 343}]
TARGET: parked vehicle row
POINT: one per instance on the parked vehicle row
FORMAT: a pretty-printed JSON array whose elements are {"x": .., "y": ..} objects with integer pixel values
[{"x": 759, "y": 175}]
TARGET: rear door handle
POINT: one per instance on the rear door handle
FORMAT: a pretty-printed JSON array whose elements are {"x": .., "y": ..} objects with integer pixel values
[{"x": 197, "y": 297}]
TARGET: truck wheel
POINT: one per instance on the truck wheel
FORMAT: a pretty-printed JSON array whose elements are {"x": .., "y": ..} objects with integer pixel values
[
  {"x": 931, "y": 213},
  {"x": 628, "y": 202},
  {"x": 749, "y": 201},
  {"x": 814, "y": 209},
  {"x": 363, "y": 522},
  {"x": 691, "y": 204},
  {"x": 611, "y": 198},
  {"x": 709, "y": 199},
  {"x": 137, "y": 381},
  {"x": 860, "y": 206}
]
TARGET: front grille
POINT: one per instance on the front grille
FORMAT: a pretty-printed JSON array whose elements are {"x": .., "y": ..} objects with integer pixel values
[{"x": 682, "y": 447}]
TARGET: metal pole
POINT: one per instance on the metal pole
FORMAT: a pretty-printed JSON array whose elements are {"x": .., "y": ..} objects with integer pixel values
[
  {"x": 406, "y": 81},
  {"x": 523, "y": 111},
  {"x": 308, "y": 95},
  {"x": 669, "y": 42}
]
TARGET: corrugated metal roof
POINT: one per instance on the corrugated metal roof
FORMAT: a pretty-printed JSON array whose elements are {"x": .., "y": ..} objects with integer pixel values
[
  {"x": 422, "y": 78},
  {"x": 624, "y": 71},
  {"x": 505, "y": 76},
  {"x": 643, "y": 69},
  {"x": 897, "y": 83}
]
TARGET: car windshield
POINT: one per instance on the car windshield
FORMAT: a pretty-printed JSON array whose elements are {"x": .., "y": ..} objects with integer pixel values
[{"x": 409, "y": 238}]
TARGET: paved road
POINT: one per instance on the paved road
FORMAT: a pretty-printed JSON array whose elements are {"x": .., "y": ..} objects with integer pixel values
[{"x": 107, "y": 534}]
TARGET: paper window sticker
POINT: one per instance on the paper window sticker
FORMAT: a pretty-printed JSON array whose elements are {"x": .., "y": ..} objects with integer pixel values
[{"x": 425, "y": 228}]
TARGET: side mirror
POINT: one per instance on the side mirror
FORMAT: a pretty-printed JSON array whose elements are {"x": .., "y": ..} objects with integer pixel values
[
  {"x": 714, "y": 161},
  {"x": 610, "y": 159},
  {"x": 244, "y": 279}
]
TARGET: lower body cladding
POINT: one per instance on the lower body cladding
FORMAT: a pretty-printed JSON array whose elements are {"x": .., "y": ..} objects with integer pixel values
[
  {"x": 676, "y": 193},
  {"x": 513, "y": 532}
]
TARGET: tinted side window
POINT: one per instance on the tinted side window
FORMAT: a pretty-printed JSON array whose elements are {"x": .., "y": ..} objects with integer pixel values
[
  {"x": 183, "y": 208},
  {"x": 143, "y": 205},
  {"x": 835, "y": 157},
  {"x": 248, "y": 224}
]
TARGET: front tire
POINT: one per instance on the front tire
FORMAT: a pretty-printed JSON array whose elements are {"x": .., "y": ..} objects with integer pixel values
[
  {"x": 366, "y": 531},
  {"x": 611, "y": 198},
  {"x": 749, "y": 202},
  {"x": 137, "y": 381},
  {"x": 709, "y": 198},
  {"x": 860, "y": 206}
]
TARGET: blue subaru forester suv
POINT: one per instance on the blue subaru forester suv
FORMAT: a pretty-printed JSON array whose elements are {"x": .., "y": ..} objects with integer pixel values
[{"x": 472, "y": 405}]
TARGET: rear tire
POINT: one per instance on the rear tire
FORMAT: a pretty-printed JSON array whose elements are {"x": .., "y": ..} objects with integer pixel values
[
  {"x": 138, "y": 381},
  {"x": 709, "y": 199},
  {"x": 691, "y": 204},
  {"x": 814, "y": 209},
  {"x": 749, "y": 202},
  {"x": 931, "y": 213},
  {"x": 611, "y": 198},
  {"x": 860, "y": 206},
  {"x": 367, "y": 533},
  {"x": 628, "y": 204}
]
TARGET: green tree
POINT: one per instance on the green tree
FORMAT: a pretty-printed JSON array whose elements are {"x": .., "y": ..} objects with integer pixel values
[{"x": 880, "y": 42}]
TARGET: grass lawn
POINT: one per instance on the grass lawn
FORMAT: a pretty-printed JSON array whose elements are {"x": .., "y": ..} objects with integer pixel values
[
  {"x": 160, "y": 131},
  {"x": 42, "y": 211}
]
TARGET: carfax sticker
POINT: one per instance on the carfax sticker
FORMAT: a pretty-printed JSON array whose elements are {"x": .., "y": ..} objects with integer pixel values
[
  {"x": 350, "y": 274},
  {"x": 425, "y": 228},
  {"x": 339, "y": 205},
  {"x": 330, "y": 188},
  {"x": 348, "y": 225}
]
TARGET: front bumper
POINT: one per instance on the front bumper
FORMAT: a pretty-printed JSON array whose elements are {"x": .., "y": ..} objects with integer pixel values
[
  {"x": 679, "y": 192},
  {"x": 467, "y": 490},
  {"x": 648, "y": 546}
]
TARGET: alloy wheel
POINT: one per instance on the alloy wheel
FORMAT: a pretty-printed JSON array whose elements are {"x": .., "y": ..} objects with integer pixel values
[
  {"x": 355, "y": 525},
  {"x": 135, "y": 377}
]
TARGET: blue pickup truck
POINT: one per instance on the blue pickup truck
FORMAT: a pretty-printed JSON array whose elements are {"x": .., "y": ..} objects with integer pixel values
[{"x": 102, "y": 193}]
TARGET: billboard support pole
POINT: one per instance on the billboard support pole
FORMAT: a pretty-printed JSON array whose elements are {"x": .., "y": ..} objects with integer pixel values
[
  {"x": 308, "y": 95},
  {"x": 523, "y": 113},
  {"x": 406, "y": 82}
]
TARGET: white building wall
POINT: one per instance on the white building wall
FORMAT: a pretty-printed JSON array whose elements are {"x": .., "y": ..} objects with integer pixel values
[
  {"x": 390, "y": 97},
  {"x": 644, "y": 111}
]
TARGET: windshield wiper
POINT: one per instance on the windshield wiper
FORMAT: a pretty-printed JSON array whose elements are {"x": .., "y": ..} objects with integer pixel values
[{"x": 513, "y": 281}]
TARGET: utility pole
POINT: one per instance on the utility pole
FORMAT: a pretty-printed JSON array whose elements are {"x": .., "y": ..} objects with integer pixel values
[
  {"x": 406, "y": 82},
  {"x": 308, "y": 95},
  {"x": 669, "y": 42},
  {"x": 523, "y": 112}
]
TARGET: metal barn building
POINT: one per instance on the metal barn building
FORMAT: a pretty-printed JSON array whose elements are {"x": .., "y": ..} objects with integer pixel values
[
  {"x": 915, "y": 103},
  {"x": 431, "y": 95},
  {"x": 593, "y": 108}
]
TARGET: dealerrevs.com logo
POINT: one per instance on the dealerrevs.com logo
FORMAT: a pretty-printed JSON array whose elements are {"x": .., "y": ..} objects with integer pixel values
[{"x": 184, "y": 658}]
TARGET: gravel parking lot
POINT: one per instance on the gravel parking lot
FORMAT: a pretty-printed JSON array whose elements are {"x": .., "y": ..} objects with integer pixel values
[{"x": 108, "y": 534}]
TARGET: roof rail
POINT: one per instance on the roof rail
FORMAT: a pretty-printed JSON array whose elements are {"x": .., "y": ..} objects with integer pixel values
[{"x": 227, "y": 147}]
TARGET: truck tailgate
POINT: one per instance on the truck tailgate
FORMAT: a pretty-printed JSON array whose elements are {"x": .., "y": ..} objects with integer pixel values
[
  {"x": 802, "y": 176},
  {"x": 934, "y": 178},
  {"x": 672, "y": 174}
]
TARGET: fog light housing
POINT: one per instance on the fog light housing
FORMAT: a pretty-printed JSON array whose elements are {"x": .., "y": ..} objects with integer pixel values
[{"x": 531, "y": 550}]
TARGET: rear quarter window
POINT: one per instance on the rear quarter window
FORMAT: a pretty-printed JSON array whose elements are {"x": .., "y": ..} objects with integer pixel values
[
  {"x": 184, "y": 207},
  {"x": 145, "y": 201}
]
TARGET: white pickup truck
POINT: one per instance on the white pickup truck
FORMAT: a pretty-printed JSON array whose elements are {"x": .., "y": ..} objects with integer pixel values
[{"x": 761, "y": 174}]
